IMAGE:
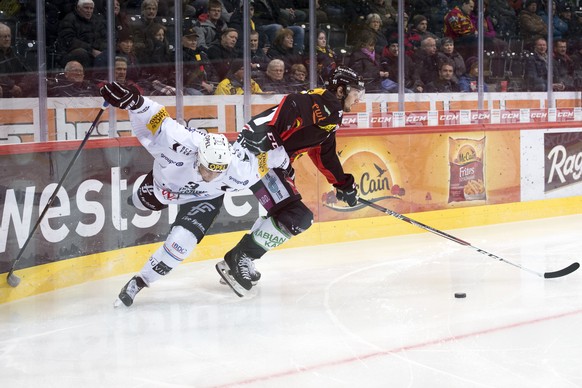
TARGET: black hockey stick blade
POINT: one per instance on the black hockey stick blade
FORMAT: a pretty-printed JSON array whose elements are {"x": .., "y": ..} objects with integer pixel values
[
  {"x": 11, "y": 278},
  {"x": 563, "y": 272}
]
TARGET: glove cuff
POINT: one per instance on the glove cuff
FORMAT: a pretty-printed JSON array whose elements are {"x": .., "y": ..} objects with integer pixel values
[{"x": 347, "y": 184}]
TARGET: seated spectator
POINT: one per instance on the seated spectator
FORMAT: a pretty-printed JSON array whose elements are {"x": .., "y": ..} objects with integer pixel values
[
  {"x": 124, "y": 48},
  {"x": 73, "y": 84},
  {"x": 289, "y": 14},
  {"x": 387, "y": 13},
  {"x": 15, "y": 79},
  {"x": 418, "y": 30},
  {"x": 563, "y": 65},
  {"x": 282, "y": 48},
  {"x": 448, "y": 53},
  {"x": 444, "y": 83},
  {"x": 234, "y": 82},
  {"x": 490, "y": 39},
  {"x": 504, "y": 19},
  {"x": 367, "y": 63},
  {"x": 273, "y": 80},
  {"x": 559, "y": 26},
  {"x": 211, "y": 27},
  {"x": 222, "y": 54},
  {"x": 259, "y": 59},
  {"x": 536, "y": 69},
  {"x": 148, "y": 16},
  {"x": 576, "y": 58},
  {"x": 531, "y": 25},
  {"x": 267, "y": 21},
  {"x": 469, "y": 81},
  {"x": 460, "y": 28},
  {"x": 298, "y": 81},
  {"x": 374, "y": 25},
  {"x": 199, "y": 74},
  {"x": 80, "y": 36},
  {"x": 426, "y": 61},
  {"x": 389, "y": 60},
  {"x": 575, "y": 27},
  {"x": 326, "y": 58},
  {"x": 120, "y": 74}
]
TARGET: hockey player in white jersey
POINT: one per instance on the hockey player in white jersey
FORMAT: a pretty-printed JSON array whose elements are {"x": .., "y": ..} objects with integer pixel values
[{"x": 193, "y": 169}]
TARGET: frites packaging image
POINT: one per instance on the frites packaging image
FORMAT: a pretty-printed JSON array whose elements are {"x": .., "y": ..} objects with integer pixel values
[{"x": 466, "y": 164}]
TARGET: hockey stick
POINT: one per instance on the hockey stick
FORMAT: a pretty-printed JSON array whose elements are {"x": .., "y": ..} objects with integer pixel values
[
  {"x": 11, "y": 278},
  {"x": 548, "y": 275}
]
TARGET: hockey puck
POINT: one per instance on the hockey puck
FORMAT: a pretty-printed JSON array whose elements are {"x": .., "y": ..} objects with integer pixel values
[{"x": 460, "y": 295}]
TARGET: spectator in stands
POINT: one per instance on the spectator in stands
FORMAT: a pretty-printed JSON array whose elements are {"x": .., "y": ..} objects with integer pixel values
[
  {"x": 491, "y": 41},
  {"x": 282, "y": 48},
  {"x": 222, "y": 54},
  {"x": 149, "y": 12},
  {"x": 73, "y": 84},
  {"x": 469, "y": 81},
  {"x": 448, "y": 53},
  {"x": 412, "y": 83},
  {"x": 460, "y": 28},
  {"x": 14, "y": 78},
  {"x": 575, "y": 27},
  {"x": 121, "y": 19},
  {"x": 289, "y": 14},
  {"x": 563, "y": 65},
  {"x": 268, "y": 22},
  {"x": 367, "y": 63},
  {"x": 209, "y": 30},
  {"x": 445, "y": 82},
  {"x": 156, "y": 58},
  {"x": 273, "y": 80},
  {"x": 259, "y": 59},
  {"x": 124, "y": 48},
  {"x": 326, "y": 58},
  {"x": 120, "y": 74},
  {"x": 199, "y": 75},
  {"x": 298, "y": 81},
  {"x": 531, "y": 25},
  {"x": 559, "y": 26},
  {"x": 237, "y": 22},
  {"x": 536, "y": 69},
  {"x": 504, "y": 18},
  {"x": 426, "y": 61},
  {"x": 374, "y": 25},
  {"x": 576, "y": 58},
  {"x": 387, "y": 13},
  {"x": 234, "y": 82},
  {"x": 80, "y": 35},
  {"x": 418, "y": 30}
]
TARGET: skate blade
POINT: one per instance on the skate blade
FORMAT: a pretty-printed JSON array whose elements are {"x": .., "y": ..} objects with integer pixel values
[
  {"x": 117, "y": 303},
  {"x": 223, "y": 271},
  {"x": 221, "y": 281}
]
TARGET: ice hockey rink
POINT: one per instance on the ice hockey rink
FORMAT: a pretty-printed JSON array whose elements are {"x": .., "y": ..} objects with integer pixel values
[{"x": 374, "y": 313}]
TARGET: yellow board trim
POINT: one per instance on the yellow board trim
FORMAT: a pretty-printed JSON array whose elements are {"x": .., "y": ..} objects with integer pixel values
[{"x": 48, "y": 277}]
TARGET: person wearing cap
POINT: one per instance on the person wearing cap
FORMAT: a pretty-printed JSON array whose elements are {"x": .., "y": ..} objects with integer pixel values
[
  {"x": 80, "y": 34},
  {"x": 199, "y": 75},
  {"x": 468, "y": 82},
  {"x": 234, "y": 82},
  {"x": 531, "y": 25},
  {"x": 192, "y": 169},
  {"x": 389, "y": 60}
]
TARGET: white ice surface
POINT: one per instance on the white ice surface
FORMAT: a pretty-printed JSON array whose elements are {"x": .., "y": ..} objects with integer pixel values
[{"x": 376, "y": 313}]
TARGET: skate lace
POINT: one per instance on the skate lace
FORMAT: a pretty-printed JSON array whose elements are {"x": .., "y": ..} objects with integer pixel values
[{"x": 244, "y": 266}]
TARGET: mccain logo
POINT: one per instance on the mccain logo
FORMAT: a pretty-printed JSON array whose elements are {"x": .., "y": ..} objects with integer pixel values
[{"x": 373, "y": 179}]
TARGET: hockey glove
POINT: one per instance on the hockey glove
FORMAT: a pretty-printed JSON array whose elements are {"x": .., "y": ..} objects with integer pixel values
[
  {"x": 122, "y": 97},
  {"x": 347, "y": 192},
  {"x": 258, "y": 142}
]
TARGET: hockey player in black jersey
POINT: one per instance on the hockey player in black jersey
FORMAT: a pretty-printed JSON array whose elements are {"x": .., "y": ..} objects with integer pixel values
[{"x": 302, "y": 122}]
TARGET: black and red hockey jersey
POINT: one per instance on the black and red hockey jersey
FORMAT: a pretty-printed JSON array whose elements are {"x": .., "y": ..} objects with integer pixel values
[{"x": 307, "y": 122}]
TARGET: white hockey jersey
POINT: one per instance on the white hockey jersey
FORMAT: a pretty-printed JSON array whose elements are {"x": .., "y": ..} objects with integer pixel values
[{"x": 175, "y": 150}]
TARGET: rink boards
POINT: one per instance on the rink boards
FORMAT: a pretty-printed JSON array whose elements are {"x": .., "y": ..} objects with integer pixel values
[{"x": 448, "y": 178}]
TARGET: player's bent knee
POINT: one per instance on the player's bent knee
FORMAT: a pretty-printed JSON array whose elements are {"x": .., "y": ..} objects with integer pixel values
[
  {"x": 295, "y": 217},
  {"x": 180, "y": 243}
]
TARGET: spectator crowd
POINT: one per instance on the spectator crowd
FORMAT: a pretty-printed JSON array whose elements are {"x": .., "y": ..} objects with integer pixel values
[{"x": 440, "y": 45}]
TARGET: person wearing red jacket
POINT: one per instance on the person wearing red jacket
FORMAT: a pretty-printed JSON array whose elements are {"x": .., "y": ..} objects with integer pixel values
[{"x": 302, "y": 122}]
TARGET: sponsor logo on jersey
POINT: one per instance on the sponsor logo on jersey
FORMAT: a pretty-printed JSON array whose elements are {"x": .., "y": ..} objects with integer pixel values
[
  {"x": 217, "y": 167},
  {"x": 179, "y": 164},
  {"x": 156, "y": 121},
  {"x": 263, "y": 164},
  {"x": 179, "y": 148}
]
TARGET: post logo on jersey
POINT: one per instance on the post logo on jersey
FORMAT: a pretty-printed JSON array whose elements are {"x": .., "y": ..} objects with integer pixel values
[{"x": 156, "y": 121}]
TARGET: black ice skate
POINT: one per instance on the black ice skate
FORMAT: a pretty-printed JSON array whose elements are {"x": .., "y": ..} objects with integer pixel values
[
  {"x": 130, "y": 290},
  {"x": 255, "y": 275},
  {"x": 235, "y": 270}
]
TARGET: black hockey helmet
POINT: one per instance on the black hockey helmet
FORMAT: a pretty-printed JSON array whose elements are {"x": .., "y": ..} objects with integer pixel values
[{"x": 344, "y": 76}]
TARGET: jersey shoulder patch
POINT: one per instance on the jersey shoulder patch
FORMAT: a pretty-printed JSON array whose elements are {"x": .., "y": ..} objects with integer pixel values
[{"x": 156, "y": 121}]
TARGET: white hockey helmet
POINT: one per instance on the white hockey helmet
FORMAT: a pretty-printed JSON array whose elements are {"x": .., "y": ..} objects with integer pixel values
[{"x": 214, "y": 152}]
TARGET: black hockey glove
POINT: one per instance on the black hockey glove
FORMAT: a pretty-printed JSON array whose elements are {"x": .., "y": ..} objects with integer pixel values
[
  {"x": 258, "y": 142},
  {"x": 347, "y": 192},
  {"x": 122, "y": 97}
]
